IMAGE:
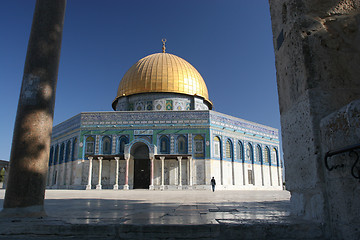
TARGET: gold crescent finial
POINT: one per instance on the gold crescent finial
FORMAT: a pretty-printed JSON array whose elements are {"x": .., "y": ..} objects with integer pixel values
[{"x": 163, "y": 41}]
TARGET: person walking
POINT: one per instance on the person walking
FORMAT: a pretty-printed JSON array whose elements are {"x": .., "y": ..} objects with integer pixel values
[{"x": 213, "y": 183}]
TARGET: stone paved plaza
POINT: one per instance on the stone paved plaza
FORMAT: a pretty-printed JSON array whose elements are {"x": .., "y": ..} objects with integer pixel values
[{"x": 144, "y": 214}]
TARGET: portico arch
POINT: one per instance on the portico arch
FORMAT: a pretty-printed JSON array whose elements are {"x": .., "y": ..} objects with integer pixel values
[{"x": 139, "y": 153}]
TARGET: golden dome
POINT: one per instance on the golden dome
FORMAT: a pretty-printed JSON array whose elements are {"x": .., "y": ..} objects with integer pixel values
[{"x": 162, "y": 72}]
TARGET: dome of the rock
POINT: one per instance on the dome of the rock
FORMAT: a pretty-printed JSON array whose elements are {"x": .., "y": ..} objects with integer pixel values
[{"x": 163, "y": 135}]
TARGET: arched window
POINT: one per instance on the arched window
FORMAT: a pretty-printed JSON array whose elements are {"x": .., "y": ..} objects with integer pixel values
[
  {"x": 217, "y": 147},
  {"x": 249, "y": 153},
  {"x": 164, "y": 144},
  {"x": 267, "y": 155},
  {"x": 276, "y": 162},
  {"x": 182, "y": 145},
  {"x": 259, "y": 154},
  {"x": 122, "y": 142},
  {"x": 229, "y": 150},
  {"x": 61, "y": 157},
  {"x": 75, "y": 150},
  {"x": 274, "y": 157},
  {"x": 56, "y": 158},
  {"x": 51, "y": 156},
  {"x": 67, "y": 151},
  {"x": 240, "y": 151},
  {"x": 199, "y": 146},
  {"x": 106, "y": 145},
  {"x": 90, "y": 145}
]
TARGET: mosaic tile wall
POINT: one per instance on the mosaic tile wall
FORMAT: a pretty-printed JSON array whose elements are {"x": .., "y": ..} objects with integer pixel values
[
  {"x": 67, "y": 126},
  {"x": 160, "y": 102},
  {"x": 233, "y": 123},
  {"x": 167, "y": 123},
  {"x": 149, "y": 126},
  {"x": 144, "y": 118},
  {"x": 173, "y": 118}
]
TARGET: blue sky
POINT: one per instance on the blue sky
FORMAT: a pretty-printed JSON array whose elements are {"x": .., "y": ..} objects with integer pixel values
[{"x": 228, "y": 42}]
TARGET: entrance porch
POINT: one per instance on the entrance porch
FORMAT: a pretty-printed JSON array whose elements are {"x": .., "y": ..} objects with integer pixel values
[{"x": 163, "y": 171}]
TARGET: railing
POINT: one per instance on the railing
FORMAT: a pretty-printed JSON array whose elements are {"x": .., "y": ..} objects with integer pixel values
[{"x": 355, "y": 170}]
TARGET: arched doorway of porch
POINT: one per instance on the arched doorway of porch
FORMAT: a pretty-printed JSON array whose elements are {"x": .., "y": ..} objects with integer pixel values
[{"x": 140, "y": 153}]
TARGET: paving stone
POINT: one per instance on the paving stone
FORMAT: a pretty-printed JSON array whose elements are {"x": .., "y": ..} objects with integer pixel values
[{"x": 79, "y": 214}]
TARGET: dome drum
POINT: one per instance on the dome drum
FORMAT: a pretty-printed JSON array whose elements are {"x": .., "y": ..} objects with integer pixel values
[{"x": 161, "y": 102}]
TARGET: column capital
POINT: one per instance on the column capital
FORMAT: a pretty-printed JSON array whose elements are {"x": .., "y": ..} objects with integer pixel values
[
  {"x": 179, "y": 158},
  {"x": 162, "y": 158},
  {"x": 117, "y": 158},
  {"x": 100, "y": 158},
  {"x": 90, "y": 158},
  {"x": 190, "y": 157}
]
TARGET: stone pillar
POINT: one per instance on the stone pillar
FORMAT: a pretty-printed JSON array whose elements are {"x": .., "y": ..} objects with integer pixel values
[
  {"x": 151, "y": 187},
  {"x": 88, "y": 186},
  {"x": 116, "y": 185},
  {"x": 180, "y": 173},
  {"x": 34, "y": 118},
  {"x": 126, "y": 186},
  {"x": 98, "y": 186},
  {"x": 190, "y": 170},
  {"x": 162, "y": 187},
  {"x": 317, "y": 60}
]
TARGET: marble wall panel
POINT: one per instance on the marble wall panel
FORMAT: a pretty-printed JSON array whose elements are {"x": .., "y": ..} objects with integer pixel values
[
  {"x": 122, "y": 172},
  {"x": 184, "y": 172},
  {"x": 266, "y": 175},
  {"x": 105, "y": 173},
  {"x": 257, "y": 174},
  {"x": 200, "y": 172}
]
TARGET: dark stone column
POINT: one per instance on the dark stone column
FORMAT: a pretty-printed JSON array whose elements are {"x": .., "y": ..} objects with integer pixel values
[{"x": 33, "y": 126}]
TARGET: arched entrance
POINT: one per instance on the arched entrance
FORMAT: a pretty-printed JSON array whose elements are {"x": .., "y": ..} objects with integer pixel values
[{"x": 140, "y": 153}]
